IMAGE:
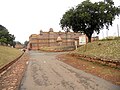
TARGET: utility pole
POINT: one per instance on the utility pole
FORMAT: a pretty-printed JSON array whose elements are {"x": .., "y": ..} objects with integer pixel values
[
  {"x": 106, "y": 33},
  {"x": 103, "y": 34},
  {"x": 118, "y": 29}
]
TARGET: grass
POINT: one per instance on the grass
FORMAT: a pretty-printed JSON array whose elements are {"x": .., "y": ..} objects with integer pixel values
[
  {"x": 103, "y": 71},
  {"x": 101, "y": 49},
  {"x": 108, "y": 49},
  {"x": 8, "y": 54}
]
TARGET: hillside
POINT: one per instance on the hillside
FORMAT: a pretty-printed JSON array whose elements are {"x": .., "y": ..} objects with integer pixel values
[
  {"x": 8, "y": 54},
  {"x": 101, "y": 49},
  {"x": 100, "y": 58}
]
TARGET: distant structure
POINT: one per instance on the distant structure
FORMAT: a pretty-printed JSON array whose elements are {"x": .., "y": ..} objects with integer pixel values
[
  {"x": 18, "y": 46},
  {"x": 51, "y": 38}
]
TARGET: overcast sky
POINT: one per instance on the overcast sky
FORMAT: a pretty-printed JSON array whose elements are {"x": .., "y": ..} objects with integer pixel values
[{"x": 25, "y": 17}]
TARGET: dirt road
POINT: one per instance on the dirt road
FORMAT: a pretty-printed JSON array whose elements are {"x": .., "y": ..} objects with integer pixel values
[{"x": 45, "y": 72}]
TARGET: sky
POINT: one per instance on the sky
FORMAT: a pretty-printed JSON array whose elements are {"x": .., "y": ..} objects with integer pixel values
[{"x": 25, "y": 17}]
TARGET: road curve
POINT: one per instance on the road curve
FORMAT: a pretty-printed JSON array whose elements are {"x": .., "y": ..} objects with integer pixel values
[{"x": 45, "y": 72}]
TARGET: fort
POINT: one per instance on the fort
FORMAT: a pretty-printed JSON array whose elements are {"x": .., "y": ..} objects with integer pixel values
[{"x": 51, "y": 38}]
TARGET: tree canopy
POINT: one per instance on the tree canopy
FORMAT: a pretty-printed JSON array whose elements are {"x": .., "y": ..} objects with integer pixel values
[
  {"x": 6, "y": 37},
  {"x": 89, "y": 17},
  {"x": 26, "y": 43}
]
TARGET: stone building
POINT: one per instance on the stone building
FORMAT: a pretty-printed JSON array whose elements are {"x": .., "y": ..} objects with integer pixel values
[{"x": 51, "y": 38}]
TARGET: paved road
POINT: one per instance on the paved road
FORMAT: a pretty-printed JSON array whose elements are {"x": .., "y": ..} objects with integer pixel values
[{"x": 45, "y": 72}]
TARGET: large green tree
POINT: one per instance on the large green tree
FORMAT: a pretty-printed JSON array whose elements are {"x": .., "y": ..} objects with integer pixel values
[
  {"x": 88, "y": 17},
  {"x": 6, "y": 37}
]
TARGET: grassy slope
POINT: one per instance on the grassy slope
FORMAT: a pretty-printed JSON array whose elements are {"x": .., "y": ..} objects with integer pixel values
[
  {"x": 102, "y": 49},
  {"x": 8, "y": 54}
]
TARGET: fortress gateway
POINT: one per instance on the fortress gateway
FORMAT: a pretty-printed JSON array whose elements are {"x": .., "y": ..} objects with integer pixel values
[{"x": 51, "y": 38}]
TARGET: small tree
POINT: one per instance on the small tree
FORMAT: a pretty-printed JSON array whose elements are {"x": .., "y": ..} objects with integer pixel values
[
  {"x": 89, "y": 17},
  {"x": 26, "y": 43}
]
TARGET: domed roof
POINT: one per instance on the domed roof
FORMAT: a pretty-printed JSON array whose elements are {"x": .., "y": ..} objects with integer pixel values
[
  {"x": 51, "y": 30},
  {"x": 41, "y": 31}
]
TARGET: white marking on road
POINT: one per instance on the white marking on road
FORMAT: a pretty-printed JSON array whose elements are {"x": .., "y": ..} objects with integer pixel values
[
  {"x": 27, "y": 62},
  {"x": 44, "y": 61}
]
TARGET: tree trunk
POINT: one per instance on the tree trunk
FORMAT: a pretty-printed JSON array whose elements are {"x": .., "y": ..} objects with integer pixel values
[
  {"x": 89, "y": 33},
  {"x": 89, "y": 38}
]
